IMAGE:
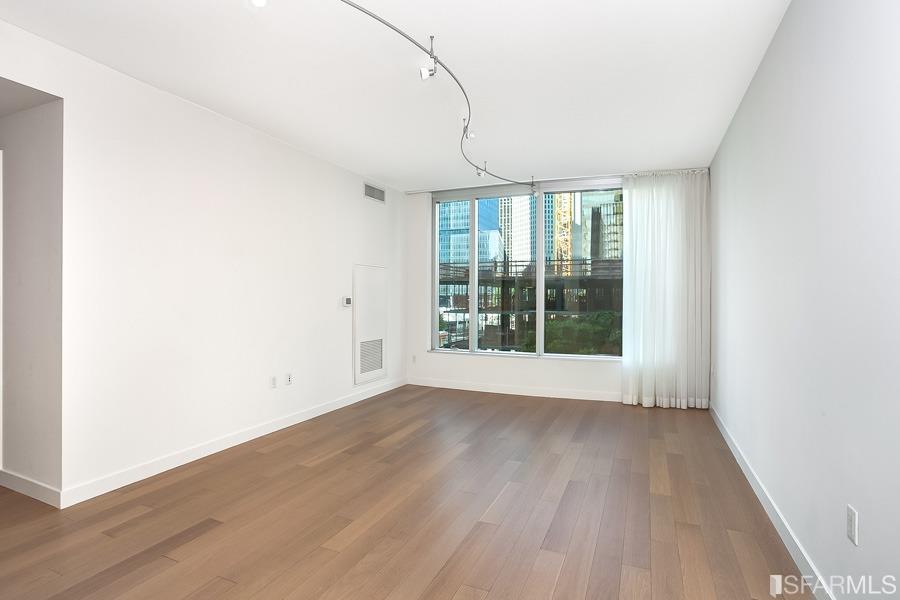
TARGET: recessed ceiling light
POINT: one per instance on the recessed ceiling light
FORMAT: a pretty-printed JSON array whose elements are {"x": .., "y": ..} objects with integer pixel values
[{"x": 259, "y": 3}]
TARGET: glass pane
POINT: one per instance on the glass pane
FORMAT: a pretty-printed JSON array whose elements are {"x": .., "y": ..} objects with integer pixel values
[
  {"x": 507, "y": 296},
  {"x": 583, "y": 251},
  {"x": 453, "y": 274}
]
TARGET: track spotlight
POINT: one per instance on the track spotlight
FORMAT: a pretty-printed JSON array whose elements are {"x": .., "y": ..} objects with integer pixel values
[{"x": 429, "y": 69}]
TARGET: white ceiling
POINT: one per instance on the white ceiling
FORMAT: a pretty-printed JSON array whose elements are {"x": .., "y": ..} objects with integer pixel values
[
  {"x": 15, "y": 97},
  {"x": 560, "y": 88}
]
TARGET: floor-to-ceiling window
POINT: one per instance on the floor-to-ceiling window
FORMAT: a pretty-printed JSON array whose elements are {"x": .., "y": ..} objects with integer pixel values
[
  {"x": 453, "y": 275},
  {"x": 543, "y": 270},
  {"x": 507, "y": 274},
  {"x": 583, "y": 272}
]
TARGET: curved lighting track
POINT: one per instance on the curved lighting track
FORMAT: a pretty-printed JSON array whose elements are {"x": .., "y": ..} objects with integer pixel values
[{"x": 468, "y": 120}]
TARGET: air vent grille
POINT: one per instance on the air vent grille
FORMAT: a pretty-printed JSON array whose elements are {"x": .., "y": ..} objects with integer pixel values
[
  {"x": 374, "y": 193},
  {"x": 370, "y": 356}
]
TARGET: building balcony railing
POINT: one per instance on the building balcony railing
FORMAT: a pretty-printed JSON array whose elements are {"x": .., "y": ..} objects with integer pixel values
[{"x": 456, "y": 273}]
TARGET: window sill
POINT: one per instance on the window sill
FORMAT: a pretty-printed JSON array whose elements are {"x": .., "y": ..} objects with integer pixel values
[{"x": 565, "y": 357}]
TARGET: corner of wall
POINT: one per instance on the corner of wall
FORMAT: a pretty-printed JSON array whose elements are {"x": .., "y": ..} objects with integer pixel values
[
  {"x": 785, "y": 532},
  {"x": 29, "y": 487}
]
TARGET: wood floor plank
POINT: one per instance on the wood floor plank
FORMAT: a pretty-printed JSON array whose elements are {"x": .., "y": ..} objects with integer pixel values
[
  {"x": 560, "y": 532},
  {"x": 372, "y": 563},
  {"x": 684, "y": 501},
  {"x": 288, "y": 579},
  {"x": 511, "y": 577},
  {"x": 723, "y": 561},
  {"x": 111, "y": 574},
  {"x": 576, "y": 569},
  {"x": 498, "y": 509},
  {"x": 543, "y": 576},
  {"x": 636, "y": 551},
  {"x": 486, "y": 569},
  {"x": 635, "y": 583},
  {"x": 32, "y": 550},
  {"x": 665, "y": 571},
  {"x": 357, "y": 527},
  {"x": 607, "y": 562},
  {"x": 213, "y": 589},
  {"x": 256, "y": 571},
  {"x": 752, "y": 564},
  {"x": 640, "y": 456},
  {"x": 659, "y": 468},
  {"x": 433, "y": 551},
  {"x": 402, "y": 434},
  {"x": 420, "y": 493},
  {"x": 466, "y": 592},
  {"x": 451, "y": 576},
  {"x": 662, "y": 519},
  {"x": 696, "y": 576},
  {"x": 665, "y": 564},
  {"x": 131, "y": 579}
]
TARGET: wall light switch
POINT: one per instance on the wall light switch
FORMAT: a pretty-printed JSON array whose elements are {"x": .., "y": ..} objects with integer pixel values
[{"x": 273, "y": 382}]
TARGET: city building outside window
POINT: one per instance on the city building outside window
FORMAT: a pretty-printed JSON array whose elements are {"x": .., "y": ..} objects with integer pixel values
[{"x": 543, "y": 274}]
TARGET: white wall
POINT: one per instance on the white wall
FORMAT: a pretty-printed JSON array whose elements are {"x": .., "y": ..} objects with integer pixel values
[
  {"x": 591, "y": 379},
  {"x": 200, "y": 257},
  {"x": 1, "y": 310},
  {"x": 31, "y": 141},
  {"x": 805, "y": 279}
]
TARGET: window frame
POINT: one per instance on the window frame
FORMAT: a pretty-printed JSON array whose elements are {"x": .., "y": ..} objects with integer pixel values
[{"x": 472, "y": 195}]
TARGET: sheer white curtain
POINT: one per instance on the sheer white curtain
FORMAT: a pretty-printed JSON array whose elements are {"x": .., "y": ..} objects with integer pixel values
[{"x": 665, "y": 315}]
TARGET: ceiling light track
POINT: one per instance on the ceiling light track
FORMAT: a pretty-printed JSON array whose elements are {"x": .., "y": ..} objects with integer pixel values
[{"x": 429, "y": 71}]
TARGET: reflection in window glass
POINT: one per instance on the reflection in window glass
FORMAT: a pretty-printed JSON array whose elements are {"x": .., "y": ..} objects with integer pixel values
[
  {"x": 583, "y": 276},
  {"x": 453, "y": 275},
  {"x": 507, "y": 254}
]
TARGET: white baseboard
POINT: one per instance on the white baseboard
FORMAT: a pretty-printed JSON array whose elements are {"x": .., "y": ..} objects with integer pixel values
[
  {"x": 794, "y": 547},
  {"x": 518, "y": 390},
  {"x": 28, "y": 486},
  {"x": 90, "y": 489}
]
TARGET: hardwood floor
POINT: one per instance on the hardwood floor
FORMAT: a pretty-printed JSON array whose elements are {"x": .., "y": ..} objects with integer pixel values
[{"x": 420, "y": 493}]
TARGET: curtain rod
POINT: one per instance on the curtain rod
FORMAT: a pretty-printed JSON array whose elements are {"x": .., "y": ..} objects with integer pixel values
[{"x": 570, "y": 179}]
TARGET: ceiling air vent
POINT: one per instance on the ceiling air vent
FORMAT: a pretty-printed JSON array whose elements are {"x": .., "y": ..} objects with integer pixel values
[{"x": 373, "y": 192}]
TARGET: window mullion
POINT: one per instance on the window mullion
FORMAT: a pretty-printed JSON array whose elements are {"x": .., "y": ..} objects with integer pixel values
[
  {"x": 539, "y": 271},
  {"x": 473, "y": 274},
  {"x": 435, "y": 275}
]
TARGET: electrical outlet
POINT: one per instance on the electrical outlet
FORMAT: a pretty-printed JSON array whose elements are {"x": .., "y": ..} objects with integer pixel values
[
  {"x": 289, "y": 379},
  {"x": 853, "y": 525},
  {"x": 273, "y": 382}
]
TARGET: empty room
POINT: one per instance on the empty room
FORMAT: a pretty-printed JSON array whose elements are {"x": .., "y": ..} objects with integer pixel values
[{"x": 460, "y": 300}]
